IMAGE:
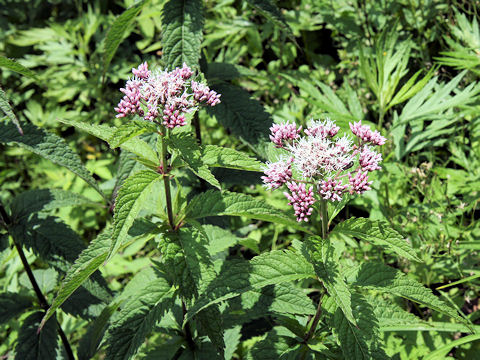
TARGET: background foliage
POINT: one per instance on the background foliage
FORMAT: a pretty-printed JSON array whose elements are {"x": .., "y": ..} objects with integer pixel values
[{"x": 410, "y": 68}]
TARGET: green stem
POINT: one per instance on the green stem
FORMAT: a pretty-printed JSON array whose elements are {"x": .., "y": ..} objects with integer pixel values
[
  {"x": 196, "y": 125},
  {"x": 41, "y": 299},
  {"x": 318, "y": 313},
  {"x": 166, "y": 182}
]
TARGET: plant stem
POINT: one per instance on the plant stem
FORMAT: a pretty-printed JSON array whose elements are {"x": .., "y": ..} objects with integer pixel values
[
  {"x": 318, "y": 313},
  {"x": 188, "y": 332},
  {"x": 196, "y": 125},
  {"x": 41, "y": 299},
  {"x": 166, "y": 182}
]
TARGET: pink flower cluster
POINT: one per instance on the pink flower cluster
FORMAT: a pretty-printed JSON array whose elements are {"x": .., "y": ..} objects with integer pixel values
[
  {"x": 333, "y": 166},
  {"x": 301, "y": 199},
  {"x": 163, "y": 96}
]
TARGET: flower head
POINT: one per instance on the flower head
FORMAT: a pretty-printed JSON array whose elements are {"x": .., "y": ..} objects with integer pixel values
[
  {"x": 324, "y": 129},
  {"x": 282, "y": 133},
  {"x": 277, "y": 173},
  {"x": 301, "y": 199},
  {"x": 366, "y": 135},
  {"x": 164, "y": 96}
]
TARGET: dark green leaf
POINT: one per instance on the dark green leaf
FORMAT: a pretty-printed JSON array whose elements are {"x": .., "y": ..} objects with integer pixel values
[
  {"x": 129, "y": 130},
  {"x": 182, "y": 25},
  {"x": 47, "y": 145},
  {"x": 34, "y": 345},
  {"x": 138, "y": 317}
]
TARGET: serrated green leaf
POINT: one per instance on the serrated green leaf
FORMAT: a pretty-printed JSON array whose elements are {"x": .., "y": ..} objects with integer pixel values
[
  {"x": 442, "y": 351},
  {"x": 130, "y": 130},
  {"x": 219, "y": 239},
  {"x": 359, "y": 342},
  {"x": 138, "y": 317},
  {"x": 320, "y": 255},
  {"x": 87, "y": 263},
  {"x": 12, "y": 304},
  {"x": 34, "y": 345},
  {"x": 243, "y": 116},
  {"x": 17, "y": 67},
  {"x": 237, "y": 278},
  {"x": 216, "y": 156},
  {"x": 7, "y": 109},
  {"x": 48, "y": 146},
  {"x": 214, "y": 203},
  {"x": 185, "y": 145},
  {"x": 135, "y": 146},
  {"x": 232, "y": 339},
  {"x": 379, "y": 277},
  {"x": 378, "y": 233},
  {"x": 117, "y": 31},
  {"x": 182, "y": 32},
  {"x": 275, "y": 347},
  {"x": 33, "y": 201},
  {"x": 128, "y": 204}
]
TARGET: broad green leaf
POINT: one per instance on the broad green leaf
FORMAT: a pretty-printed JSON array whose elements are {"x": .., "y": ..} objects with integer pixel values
[
  {"x": 138, "y": 317},
  {"x": 117, "y": 31},
  {"x": 268, "y": 9},
  {"x": 33, "y": 201},
  {"x": 12, "y": 305},
  {"x": 319, "y": 252},
  {"x": 214, "y": 203},
  {"x": 219, "y": 239},
  {"x": 135, "y": 146},
  {"x": 232, "y": 339},
  {"x": 87, "y": 263},
  {"x": 238, "y": 277},
  {"x": 17, "y": 67},
  {"x": 216, "y": 156},
  {"x": 244, "y": 116},
  {"x": 128, "y": 204},
  {"x": 7, "y": 109},
  {"x": 379, "y": 277},
  {"x": 358, "y": 342},
  {"x": 48, "y": 146},
  {"x": 34, "y": 345},
  {"x": 378, "y": 233},
  {"x": 129, "y": 130},
  {"x": 185, "y": 145},
  {"x": 284, "y": 299},
  {"x": 182, "y": 32}
]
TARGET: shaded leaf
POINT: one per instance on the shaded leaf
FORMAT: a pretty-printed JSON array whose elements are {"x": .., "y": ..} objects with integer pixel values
[
  {"x": 7, "y": 109},
  {"x": 34, "y": 345},
  {"x": 12, "y": 65},
  {"x": 12, "y": 305}
]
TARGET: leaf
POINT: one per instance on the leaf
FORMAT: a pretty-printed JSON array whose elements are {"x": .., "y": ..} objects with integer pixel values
[
  {"x": 320, "y": 255},
  {"x": 87, "y": 263},
  {"x": 138, "y": 317},
  {"x": 219, "y": 239},
  {"x": 135, "y": 146},
  {"x": 216, "y": 156},
  {"x": 182, "y": 26},
  {"x": 48, "y": 146},
  {"x": 17, "y": 67},
  {"x": 130, "y": 130},
  {"x": 268, "y": 9},
  {"x": 128, "y": 204},
  {"x": 214, "y": 203},
  {"x": 7, "y": 109},
  {"x": 243, "y": 116},
  {"x": 378, "y": 233},
  {"x": 275, "y": 346},
  {"x": 34, "y": 345},
  {"x": 441, "y": 352},
  {"x": 90, "y": 342},
  {"x": 237, "y": 277},
  {"x": 12, "y": 305},
  {"x": 33, "y": 201},
  {"x": 117, "y": 31},
  {"x": 385, "y": 279},
  {"x": 359, "y": 342},
  {"x": 185, "y": 145}
]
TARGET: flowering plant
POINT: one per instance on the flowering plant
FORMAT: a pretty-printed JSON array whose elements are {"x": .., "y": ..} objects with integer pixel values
[{"x": 330, "y": 166}]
